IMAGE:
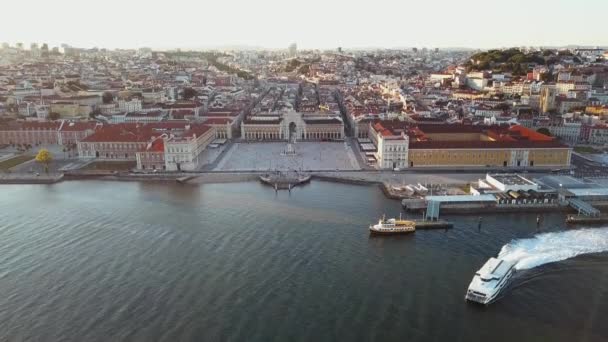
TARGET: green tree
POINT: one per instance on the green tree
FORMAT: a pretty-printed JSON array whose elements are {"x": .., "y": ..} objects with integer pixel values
[
  {"x": 107, "y": 97},
  {"x": 304, "y": 69},
  {"x": 545, "y": 131},
  {"x": 189, "y": 93},
  {"x": 44, "y": 157},
  {"x": 547, "y": 53},
  {"x": 546, "y": 77},
  {"x": 503, "y": 106}
]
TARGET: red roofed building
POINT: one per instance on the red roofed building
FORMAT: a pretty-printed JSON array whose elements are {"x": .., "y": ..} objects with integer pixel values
[
  {"x": 29, "y": 132},
  {"x": 195, "y": 106},
  {"x": 178, "y": 144},
  {"x": 73, "y": 132},
  {"x": 183, "y": 149},
  {"x": 117, "y": 142},
  {"x": 391, "y": 145},
  {"x": 153, "y": 158},
  {"x": 223, "y": 127},
  {"x": 435, "y": 145}
]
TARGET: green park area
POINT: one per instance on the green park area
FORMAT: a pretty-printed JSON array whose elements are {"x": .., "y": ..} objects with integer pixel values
[
  {"x": 585, "y": 149},
  {"x": 12, "y": 162}
]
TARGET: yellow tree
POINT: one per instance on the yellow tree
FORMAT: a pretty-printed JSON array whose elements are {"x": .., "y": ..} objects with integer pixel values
[{"x": 44, "y": 157}]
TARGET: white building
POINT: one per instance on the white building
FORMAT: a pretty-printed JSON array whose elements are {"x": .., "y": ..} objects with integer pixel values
[
  {"x": 42, "y": 111},
  {"x": 477, "y": 83},
  {"x": 598, "y": 135},
  {"x": 392, "y": 146},
  {"x": 506, "y": 182},
  {"x": 132, "y": 105},
  {"x": 438, "y": 77},
  {"x": 182, "y": 152},
  {"x": 569, "y": 132},
  {"x": 488, "y": 112},
  {"x": 153, "y": 96}
]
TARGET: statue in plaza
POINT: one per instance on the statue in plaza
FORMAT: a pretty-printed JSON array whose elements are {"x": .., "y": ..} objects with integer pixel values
[{"x": 291, "y": 140}]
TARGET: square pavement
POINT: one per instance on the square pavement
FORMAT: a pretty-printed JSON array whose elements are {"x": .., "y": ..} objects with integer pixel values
[{"x": 268, "y": 156}]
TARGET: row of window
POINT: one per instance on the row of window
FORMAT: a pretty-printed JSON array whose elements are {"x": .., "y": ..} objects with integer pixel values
[
  {"x": 153, "y": 156},
  {"x": 115, "y": 146},
  {"x": 396, "y": 148},
  {"x": 178, "y": 150}
]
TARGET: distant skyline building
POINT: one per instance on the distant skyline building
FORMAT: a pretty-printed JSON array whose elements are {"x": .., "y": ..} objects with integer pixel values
[
  {"x": 35, "y": 51},
  {"x": 293, "y": 50}
]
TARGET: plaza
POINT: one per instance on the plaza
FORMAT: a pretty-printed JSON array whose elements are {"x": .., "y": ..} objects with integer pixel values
[{"x": 270, "y": 156}]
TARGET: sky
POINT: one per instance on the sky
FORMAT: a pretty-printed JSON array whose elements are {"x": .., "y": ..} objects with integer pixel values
[{"x": 323, "y": 24}]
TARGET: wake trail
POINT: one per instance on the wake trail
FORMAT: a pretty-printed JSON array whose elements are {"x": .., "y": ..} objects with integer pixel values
[{"x": 554, "y": 246}]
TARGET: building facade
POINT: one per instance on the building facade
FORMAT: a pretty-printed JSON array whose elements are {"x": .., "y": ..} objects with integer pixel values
[
  {"x": 400, "y": 145},
  {"x": 130, "y": 105},
  {"x": 182, "y": 151},
  {"x": 299, "y": 126},
  {"x": 29, "y": 133}
]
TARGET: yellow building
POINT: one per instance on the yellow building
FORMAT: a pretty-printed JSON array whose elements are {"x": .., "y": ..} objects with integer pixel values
[
  {"x": 67, "y": 109},
  {"x": 494, "y": 157},
  {"x": 467, "y": 146},
  {"x": 597, "y": 110}
]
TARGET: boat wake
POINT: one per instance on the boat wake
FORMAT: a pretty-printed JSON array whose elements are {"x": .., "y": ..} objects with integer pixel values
[{"x": 555, "y": 246}]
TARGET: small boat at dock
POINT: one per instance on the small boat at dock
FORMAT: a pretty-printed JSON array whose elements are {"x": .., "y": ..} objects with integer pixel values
[{"x": 392, "y": 226}]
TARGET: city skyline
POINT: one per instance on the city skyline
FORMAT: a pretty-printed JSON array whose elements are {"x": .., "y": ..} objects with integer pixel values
[{"x": 386, "y": 24}]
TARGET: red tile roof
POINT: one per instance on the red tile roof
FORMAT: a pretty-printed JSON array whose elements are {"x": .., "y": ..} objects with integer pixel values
[
  {"x": 29, "y": 125},
  {"x": 132, "y": 132},
  {"x": 502, "y": 136},
  {"x": 77, "y": 126},
  {"x": 218, "y": 121},
  {"x": 157, "y": 145}
]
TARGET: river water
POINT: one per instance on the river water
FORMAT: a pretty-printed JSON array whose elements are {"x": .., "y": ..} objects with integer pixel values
[{"x": 114, "y": 261}]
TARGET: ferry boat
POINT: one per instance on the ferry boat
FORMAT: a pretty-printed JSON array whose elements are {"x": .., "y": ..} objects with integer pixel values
[
  {"x": 491, "y": 278},
  {"x": 392, "y": 226}
]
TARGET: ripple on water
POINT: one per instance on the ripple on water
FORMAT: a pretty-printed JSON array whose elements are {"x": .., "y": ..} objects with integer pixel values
[{"x": 130, "y": 261}]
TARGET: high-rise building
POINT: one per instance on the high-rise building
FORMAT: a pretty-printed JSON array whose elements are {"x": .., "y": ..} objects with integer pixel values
[
  {"x": 34, "y": 50},
  {"x": 293, "y": 50},
  {"x": 44, "y": 50}
]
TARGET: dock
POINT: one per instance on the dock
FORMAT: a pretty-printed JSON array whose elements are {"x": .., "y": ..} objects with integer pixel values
[
  {"x": 581, "y": 219},
  {"x": 185, "y": 179},
  {"x": 284, "y": 180},
  {"x": 27, "y": 178},
  {"x": 433, "y": 224}
]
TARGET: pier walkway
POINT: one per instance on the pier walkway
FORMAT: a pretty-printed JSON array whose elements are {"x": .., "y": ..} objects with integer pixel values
[{"x": 583, "y": 207}]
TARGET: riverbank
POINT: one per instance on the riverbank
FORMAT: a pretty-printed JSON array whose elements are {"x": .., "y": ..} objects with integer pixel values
[
  {"x": 30, "y": 178},
  {"x": 383, "y": 180}
]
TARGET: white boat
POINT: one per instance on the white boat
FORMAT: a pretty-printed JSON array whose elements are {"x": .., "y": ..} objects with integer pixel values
[
  {"x": 392, "y": 226},
  {"x": 491, "y": 278},
  {"x": 421, "y": 189}
]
